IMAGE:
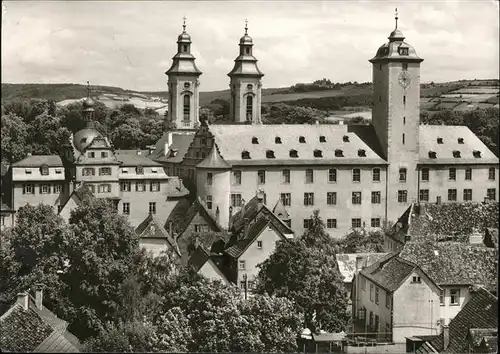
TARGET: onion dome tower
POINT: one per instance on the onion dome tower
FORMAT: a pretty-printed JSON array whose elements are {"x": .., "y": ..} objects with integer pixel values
[
  {"x": 396, "y": 117},
  {"x": 245, "y": 84},
  {"x": 183, "y": 103}
]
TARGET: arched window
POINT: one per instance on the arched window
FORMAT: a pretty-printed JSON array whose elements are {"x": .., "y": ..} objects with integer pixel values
[
  {"x": 187, "y": 107},
  {"x": 249, "y": 108}
]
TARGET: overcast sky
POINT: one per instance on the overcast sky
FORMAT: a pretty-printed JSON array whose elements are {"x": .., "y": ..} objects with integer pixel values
[{"x": 130, "y": 44}]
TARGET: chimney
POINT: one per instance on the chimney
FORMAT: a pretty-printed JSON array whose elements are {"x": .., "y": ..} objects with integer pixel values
[
  {"x": 438, "y": 200},
  {"x": 245, "y": 228},
  {"x": 196, "y": 242},
  {"x": 39, "y": 296},
  {"x": 359, "y": 263},
  {"x": 22, "y": 299},
  {"x": 179, "y": 180},
  {"x": 341, "y": 122},
  {"x": 29, "y": 153},
  {"x": 260, "y": 198},
  {"x": 317, "y": 122},
  {"x": 217, "y": 215},
  {"x": 446, "y": 337},
  {"x": 168, "y": 143},
  {"x": 139, "y": 152}
]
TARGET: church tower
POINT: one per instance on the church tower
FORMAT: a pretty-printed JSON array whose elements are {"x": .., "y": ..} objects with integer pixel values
[
  {"x": 183, "y": 102},
  {"x": 245, "y": 84},
  {"x": 396, "y": 118}
]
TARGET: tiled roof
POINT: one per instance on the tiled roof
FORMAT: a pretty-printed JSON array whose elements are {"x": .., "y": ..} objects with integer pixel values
[
  {"x": 152, "y": 228},
  {"x": 455, "y": 221},
  {"x": 177, "y": 150},
  {"x": 480, "y": 335},
  {"x": 454, "y": 262},
  {"x": 428, "y": 140},
  {"x": 233, "y": 140},
  {"x": 133, "y": 152},
  {"x": 39, "y": 160},
  {"x": 175, "y": 188},
  {"x": 22, "y": 330},
  {"x": 237, "y": 249},
  {"x": 347, "y": 262},
  {"x": 481, "y": 311},
  {"x": 214, "y": 160},
  {"x": 58, "y": 343},
  {"x": 199, "y": 257},
  {"x": 135, "y": 160},
  {"x": 389, "y": 272}
]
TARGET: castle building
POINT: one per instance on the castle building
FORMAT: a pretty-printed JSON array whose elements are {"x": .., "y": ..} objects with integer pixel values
[{"x": 358, "y": 176}]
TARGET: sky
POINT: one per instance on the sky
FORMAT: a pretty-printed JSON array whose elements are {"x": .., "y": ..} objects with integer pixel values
[{"x": 130, "y": 44}]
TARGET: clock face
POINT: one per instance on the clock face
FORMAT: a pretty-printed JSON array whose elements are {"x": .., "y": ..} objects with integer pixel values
[{"x": 404, "y": 79}]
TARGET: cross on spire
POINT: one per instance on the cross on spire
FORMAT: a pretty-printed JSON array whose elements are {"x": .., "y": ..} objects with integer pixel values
[
  {"x": 396, "y": 17},
  {"x": 246, "y": 27},
  {"x": 88, "y": 89},
  {"x": 184, "y": 24}
]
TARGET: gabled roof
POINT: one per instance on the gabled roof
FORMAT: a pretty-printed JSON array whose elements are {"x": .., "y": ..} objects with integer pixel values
[
  {"x": 184, "y": 212},
  {"x": 444, "y": 152},
  {"x": 199, "y": 257},
  {"x": 233, "y": 140},
  {"x": 214, "y": 160},
  {"x": 390, "y": 272},
  {"x": 454, "y": 263},
  {"x": 40, "y": 160},
  {"x": 81, "y": 194},
  {"x": 239, "y": 247},
  {"x": 481, "y": 311},
  {"x": 347, "y": 262},
  {"x": 449, "y": 221},
  {"x": 280, "y": 211},
  {"x": 176, "y": 151},
  {"x": 35, "y": 330},
  {"x": 151, "y": 228}
]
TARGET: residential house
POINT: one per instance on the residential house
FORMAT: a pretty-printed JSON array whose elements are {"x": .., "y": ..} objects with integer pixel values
[
  {"x": 154, "y": 237},
  {"x": 208, "y": 265},
  {"x": 426, "y": 222},
  {"x": 473, "y": 330},
  {"x": 395, "y": 299},
  {"x": 28, "y": 326}
]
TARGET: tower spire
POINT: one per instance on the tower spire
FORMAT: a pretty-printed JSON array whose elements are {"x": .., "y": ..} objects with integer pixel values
[
  {"x": 396, "y": 17},
  {"x": 184, "y": 24},
  {"x": 88, "y": 89},
  {"x": 246, "y": 27}
]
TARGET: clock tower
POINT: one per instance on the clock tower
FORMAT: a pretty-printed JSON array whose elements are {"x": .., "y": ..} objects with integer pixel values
[{"x": 396, "y": 118}]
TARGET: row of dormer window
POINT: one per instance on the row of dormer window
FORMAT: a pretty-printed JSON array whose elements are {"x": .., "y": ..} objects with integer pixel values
[
  {"x": 302, "y": 139},
  {"x": 44, "y": 170},
  {"x": 106, "y": 171},
  {"x": 91, "y": 154},
  {"x": 440, "y": 140},
  {"x": 456, "y": 154},
  {"x": 245, "y": 155}
]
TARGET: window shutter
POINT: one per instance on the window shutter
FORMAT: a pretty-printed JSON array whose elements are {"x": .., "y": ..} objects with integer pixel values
[
  {"x": 151, "y": 186},
  {"x": 41, "y": 189},
  {"x": 24, "y": 189}
]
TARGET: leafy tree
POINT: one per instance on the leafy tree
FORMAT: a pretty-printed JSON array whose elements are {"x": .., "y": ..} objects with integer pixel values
[
  {"x": 173, "y": 332},
  {"x": 305, "y": 271},
  {"x": 14, "y": 138},
  {"x": 361, "y": 241},
  {"x": 101, "y": 256}
]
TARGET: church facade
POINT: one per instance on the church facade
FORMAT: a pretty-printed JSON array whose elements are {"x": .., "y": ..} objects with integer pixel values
[{"x": 357, "y": 176}]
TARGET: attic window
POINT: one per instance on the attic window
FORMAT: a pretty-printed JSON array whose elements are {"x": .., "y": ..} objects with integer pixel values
[
  {"x": 255, "y": 140},
  {"x": 139, "y": 170},
  {"x": 270, "y": 154},
  {"x": 44, "y": 170},
  {"x": 294, "y": 153},
  {"x": 277, "y": 140},
  {"x": 245, "y": 155},
  {"x": 439, "y": 140},
  {"x": 58, "y": 171},
  {"x": 318, "y": 153},
  {"x": 339, "y": 153},
  {"x": 403, "y": 51},
  {"x": 456, "y": 153},
  {"x": 27, "y": 171},
  {"x": 302, "y": 139},
  {"x": 460, "y": 140},
  {"x": 477, "y": 154},
  {"x": 432, "y": 154},
  {"x": 362, "y": 153},
  {"x": 345, "y": 138},
  {"x": 322, "y": 139}
]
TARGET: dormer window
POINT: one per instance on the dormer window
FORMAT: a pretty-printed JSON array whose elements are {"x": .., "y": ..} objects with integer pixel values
[
  {"x": 456, "y": 153},
  {"x": 255, "y": 140},
  {"x": 362, "y": 153},
  {"x": 277, "y": 140},
  {"x": 58, "y": 171},
  {"x": 245, "y": 155},
  {"x": 318, "y": 153},
  {"x": 460, "y": 140},
  {"x": 249, "y": 86},
  {"x": 476, "y": 154},
  {"x": 339, "y": 153},
  {"x": 44, "y": 170},
  {"x": 294, "y": 153},
  {"x": 439, "y": 140},
  {"x": 302, "y": 139},
  {"x": 270, "y": 154},
  {"x": 27, "y": 171},
  {"x": 139, "y": 170},
  {"x": 432, "y": 154},
  {"x": 322, "y": 139},
  {"x": 403, "y": 51},
  {"x": 345, "y": 138}
]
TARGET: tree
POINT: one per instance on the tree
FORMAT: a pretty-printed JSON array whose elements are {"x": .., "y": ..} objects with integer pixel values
[
  {"x": 360, "y": 241},
  {"x": 14, "y": 138},
  {"x": 101, "y": 256},
  {"x": 305, "y": 271}
]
